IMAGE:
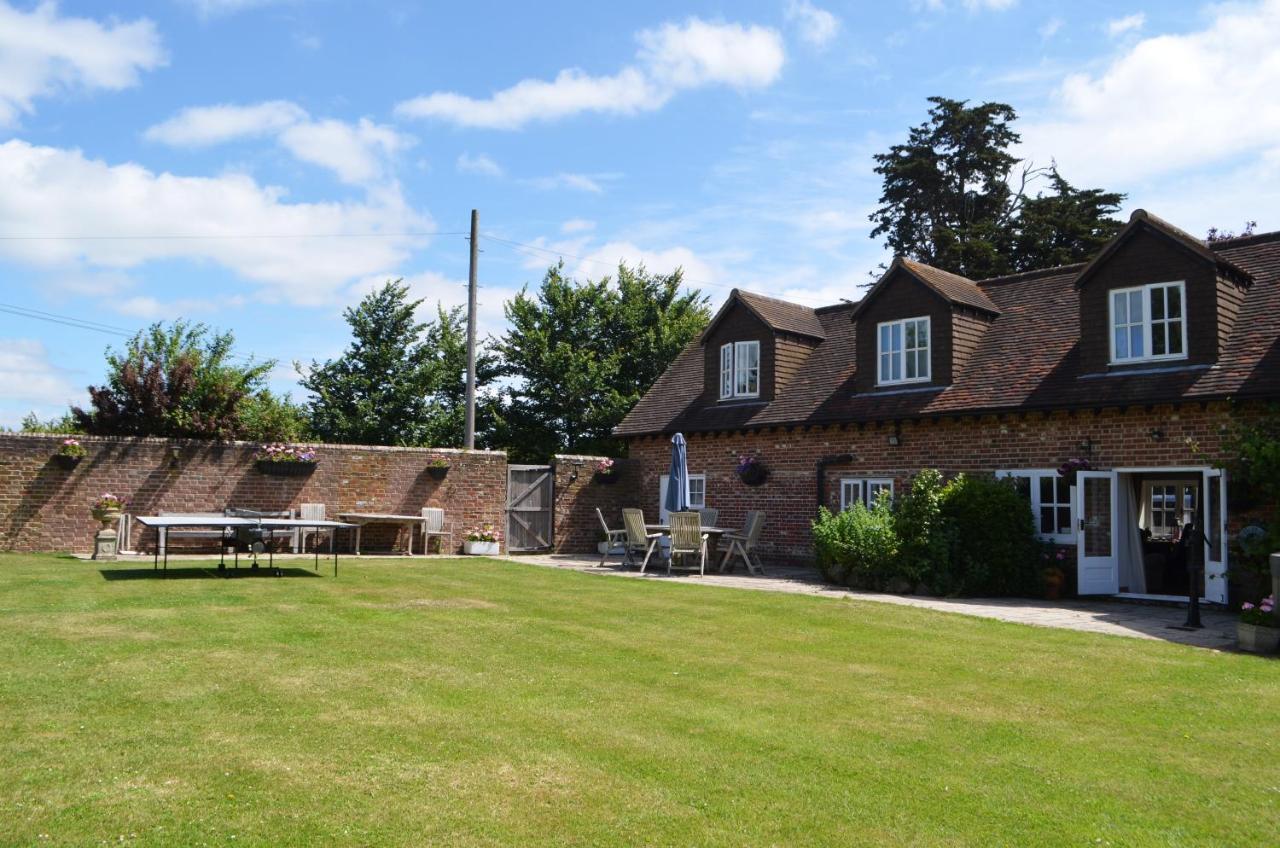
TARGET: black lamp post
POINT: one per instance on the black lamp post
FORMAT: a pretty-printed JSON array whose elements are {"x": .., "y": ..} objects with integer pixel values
[{"x": 1194, "y": 546}]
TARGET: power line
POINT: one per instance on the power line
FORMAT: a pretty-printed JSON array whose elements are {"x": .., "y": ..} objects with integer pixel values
[
  {"x": 560, "y": 253},
  {"x": 65, "y": 320},
  {"x": 216, "y": 236}
]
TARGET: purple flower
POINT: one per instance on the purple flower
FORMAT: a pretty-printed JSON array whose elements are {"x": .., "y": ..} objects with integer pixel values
[{"x": 1246, "y": 606}]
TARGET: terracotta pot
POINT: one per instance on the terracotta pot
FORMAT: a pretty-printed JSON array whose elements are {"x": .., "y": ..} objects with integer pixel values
[{"x": 1053, "y": 581}]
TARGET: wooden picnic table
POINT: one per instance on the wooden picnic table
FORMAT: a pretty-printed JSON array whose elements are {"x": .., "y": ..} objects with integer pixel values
[{"x": 359, "y": 519}]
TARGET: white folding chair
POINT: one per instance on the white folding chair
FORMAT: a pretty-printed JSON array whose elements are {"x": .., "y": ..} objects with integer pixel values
[{"x": 433, "y": 528}]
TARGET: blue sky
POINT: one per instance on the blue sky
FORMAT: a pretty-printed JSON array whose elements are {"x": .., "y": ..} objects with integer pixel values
[{"x": 260, "y": 165}]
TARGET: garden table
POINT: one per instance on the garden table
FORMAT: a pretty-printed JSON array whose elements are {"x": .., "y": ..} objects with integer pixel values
[
  {"x": 162, "y": 524},
  {"x": 359, "y": 519}
]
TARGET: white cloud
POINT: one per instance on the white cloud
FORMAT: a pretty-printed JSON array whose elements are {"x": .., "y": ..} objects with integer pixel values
[
  {"x": 29, "y": 382},
  {"x": 577, "y": 225},
  {"x": 589, "y": 183},
  {"x": 43, "y": 53},
  {"x": 1129, "y": 23},
  {"x": 1163, "y": 106},
  {"x": 478, "y": 164},
  {"x": 298, "y": 252},
  {"x": 151, "y": 308},
  {"x": 671, "y": 58},
  {"x": 214, "y": 8},
  {"x": 202, "y": 126},
  {"x": 357, "y": 153},
  {"x": 1050, "y": 28},
  {"x": 816, "y": 26}
]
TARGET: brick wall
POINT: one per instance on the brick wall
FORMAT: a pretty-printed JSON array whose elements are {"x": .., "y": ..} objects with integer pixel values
[
  {"x": 789, "y": 498},
  {"x": 44, "y": 507},
  {"x": 578, "y": 495}
]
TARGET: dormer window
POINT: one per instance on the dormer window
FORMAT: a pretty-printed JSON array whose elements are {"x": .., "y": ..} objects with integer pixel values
[
  {"x": 740, "y": 370},
  {"x": 1147, "y": 323},
  {"x": 903, "y": 351}
]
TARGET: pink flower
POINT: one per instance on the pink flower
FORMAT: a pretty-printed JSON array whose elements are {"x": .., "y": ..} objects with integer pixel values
[{"x": 1246, "y": 606}]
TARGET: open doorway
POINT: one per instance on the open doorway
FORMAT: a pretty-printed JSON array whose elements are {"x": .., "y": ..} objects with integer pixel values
[{"x": 1139, "y": 526}]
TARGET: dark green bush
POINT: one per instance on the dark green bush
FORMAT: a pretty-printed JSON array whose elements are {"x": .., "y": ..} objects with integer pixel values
[
  {"x": 991, "y": 539},
  {"x": 924, "y": 536},
  {"x": 857, "y": 547}
]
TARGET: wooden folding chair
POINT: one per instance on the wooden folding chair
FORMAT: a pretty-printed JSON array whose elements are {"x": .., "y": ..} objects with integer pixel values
[
  {"x": 638, "y": 538},
  {"x": 687, "y": 538},
  {"x": 743, "y": 542}
]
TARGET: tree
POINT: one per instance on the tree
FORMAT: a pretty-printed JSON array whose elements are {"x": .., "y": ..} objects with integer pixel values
[
  {"x": 182, "y": 382},
  {"x": 401, "y": 381},
  {"x": 446, "y": 338},
  {"x": 582, "y": 353},
  {"x": 951, "y": 198}
]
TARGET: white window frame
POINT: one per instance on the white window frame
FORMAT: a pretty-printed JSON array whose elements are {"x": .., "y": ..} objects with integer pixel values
[
  {"x": 863, "y": 486},
  {"x": 736, "y": 371},
  {"x": 1034, "y": 476},
  {"x": 881, "y": 353},
  {"x": 701, "y": 486},
  {"x": 1147, "y": 323}
]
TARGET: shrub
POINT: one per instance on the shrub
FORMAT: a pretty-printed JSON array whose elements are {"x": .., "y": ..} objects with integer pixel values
[
  {"x": 923, "y": 533},
  {"x": 991, "y": 539},
  {"x": 857, "y": 547}
]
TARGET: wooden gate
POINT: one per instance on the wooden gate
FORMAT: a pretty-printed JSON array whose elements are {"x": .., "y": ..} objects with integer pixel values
[{"x": 530, "y": 503}]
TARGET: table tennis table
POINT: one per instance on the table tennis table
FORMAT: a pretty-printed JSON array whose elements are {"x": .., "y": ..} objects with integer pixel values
[{"x": 162, "y": 524}]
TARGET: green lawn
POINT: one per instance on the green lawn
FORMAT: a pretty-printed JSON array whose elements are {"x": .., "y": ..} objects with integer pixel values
[{"x": 474, "y": 702}]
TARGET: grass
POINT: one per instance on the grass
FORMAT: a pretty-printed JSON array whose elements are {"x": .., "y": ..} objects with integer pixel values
[{"x": 476, "y": 702}]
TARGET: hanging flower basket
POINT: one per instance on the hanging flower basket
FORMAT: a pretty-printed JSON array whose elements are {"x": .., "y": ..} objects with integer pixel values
[
  {"x": 606, "y": 472},
  {"x": 62, "y": 460},
  {"x": 438, "y": 469},
  {"x": 69, "y": 454},
  {"x": 1070, "y": 469},
  {"x": 281, "y": 460},
  {"x": 751, "y": 471}
]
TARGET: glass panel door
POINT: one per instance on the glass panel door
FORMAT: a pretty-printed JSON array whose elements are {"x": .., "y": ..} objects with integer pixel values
[
  {"x": 1098, "y": 567},
  {"x": 1215, "y": 535}
]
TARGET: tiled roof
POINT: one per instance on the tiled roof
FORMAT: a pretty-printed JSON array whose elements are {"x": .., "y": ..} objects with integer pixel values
[
  {"x": 781, "y": 316},
  {"x": 1027, "y": 359},
  {"x": 953, "y": 287},
  {"x": 1142, "y": 218}
]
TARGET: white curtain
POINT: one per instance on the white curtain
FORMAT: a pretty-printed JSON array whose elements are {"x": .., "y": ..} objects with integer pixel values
[{"x": 1133, "y": 575}]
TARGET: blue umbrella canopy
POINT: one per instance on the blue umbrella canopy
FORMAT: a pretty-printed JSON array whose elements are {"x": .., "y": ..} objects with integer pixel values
[{"x": 678, "y": 481}]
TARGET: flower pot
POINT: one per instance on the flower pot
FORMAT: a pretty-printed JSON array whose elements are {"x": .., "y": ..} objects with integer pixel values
[
  {"x": 480, "y": 548},
  {"x": 63, "y": 460},
  {"x": 1257, "y": 639},
  {"x": 437, "y": 472},
  {"x": 1053, "y": 580},
  {"x": 285, "y": 469},
  {"x": 755, "y": 475},
  {"x": 106, "y": 517},
  {"x": 606, "y": 479}
]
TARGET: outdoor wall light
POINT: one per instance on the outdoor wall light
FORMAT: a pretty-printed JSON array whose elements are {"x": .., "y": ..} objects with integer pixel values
[
  {"x": 1157, "y": 435},
  {"x": 175, "y": 453},
  {"x": 1086, "y": 446},
  {"x": 894, "y": 440}
]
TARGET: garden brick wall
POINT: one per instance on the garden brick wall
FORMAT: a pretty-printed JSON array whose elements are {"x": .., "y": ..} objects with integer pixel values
[
  {"x": 578, "y": 495},
  {"x": 1156, "y": 436},
  {"x": 44, "y": 507}
]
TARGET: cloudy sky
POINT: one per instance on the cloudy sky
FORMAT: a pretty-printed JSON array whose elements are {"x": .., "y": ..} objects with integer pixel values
[{"x": 260, "y": 165}]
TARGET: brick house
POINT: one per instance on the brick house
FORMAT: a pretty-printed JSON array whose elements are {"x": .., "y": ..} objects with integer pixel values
[{"x": 1134, "y": 361}]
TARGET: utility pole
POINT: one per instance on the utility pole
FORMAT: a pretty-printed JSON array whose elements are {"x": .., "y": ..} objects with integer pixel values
[{"x": 470, "y": 440}]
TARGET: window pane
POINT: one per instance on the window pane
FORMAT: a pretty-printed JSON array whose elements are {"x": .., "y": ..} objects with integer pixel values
[
  {"x": 897, "y": 366},
  {"x": 1064, "y": 520},
  {"x": 922, "y": 333},
  {"x": 1046, "y": 490},
  {"x": 1135, "y": 307},
  {"x": 1157, "y": 339},
  {"x": 895, "y": 334},
  {"x": 1046, "y": 519},
  {"x": 923, "y": 364},
  {"x": 1064, "y": 490},
  {"x": 1175, "y": 336},
  {"x": 1175, "y": 301},
  {"x": 885, "y": 371},
  {"x": 1136, "y": 345},
  {"x": 884, "y": 339},
  {"x": 1157, "y": 304},
  {"x": 1122, "y": 343},
  {"x": 911, "y": 362},
  {"x": 1023, "y": 485},
  {"x": 911, "y": 333},
  {"x": 1120, "y": 309}
]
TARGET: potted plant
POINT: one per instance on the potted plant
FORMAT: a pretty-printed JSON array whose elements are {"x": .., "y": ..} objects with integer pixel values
[
  {"x": 1258, "y": 631},
  {"x": 751, "y": 470},
  {"x": 285, "y": 460},
  {"x": 482, "y": 541},
  {"x": 606, "y": 471},
  {"x": 1071, "y": 468},
  {"x": 70, "y": 452},
  {"x": 1053, "y": 576},
  {"x": 437, "y": 469},
  {"x": 107, "y": 508}
]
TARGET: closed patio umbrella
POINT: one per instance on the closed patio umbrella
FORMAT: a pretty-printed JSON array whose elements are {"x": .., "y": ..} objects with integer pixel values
[{"x": 678, "y": 477}]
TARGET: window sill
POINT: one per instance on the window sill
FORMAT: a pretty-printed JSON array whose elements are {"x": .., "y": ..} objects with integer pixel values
[
  {"x": 1138, "y": 370},
  {"x": 899, "y": 389}
]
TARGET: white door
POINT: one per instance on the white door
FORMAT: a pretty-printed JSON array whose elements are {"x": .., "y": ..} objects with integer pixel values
[
  {"x": 1098, "y": 567},
  {"x": 1215, "y": 535}
]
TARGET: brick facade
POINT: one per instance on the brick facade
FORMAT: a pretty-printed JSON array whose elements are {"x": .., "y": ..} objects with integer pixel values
[
  {"x": 1184, "y": 435},
  {"x": 44, "y": 507},
  {"x": 578, "y": 495}
]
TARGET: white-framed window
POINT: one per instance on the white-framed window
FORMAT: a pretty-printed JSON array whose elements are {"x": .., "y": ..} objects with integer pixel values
[
  {"x": 697, "y": 494},
  {"x": 1148, "y": 323},
  {"x": 1051, "y": 502},
  {"x": 1169, "y": 507},
  {"x": 740, "y": 369},
  {"x": 902, "y": 349},
  {"x": 863, "y": 490}
]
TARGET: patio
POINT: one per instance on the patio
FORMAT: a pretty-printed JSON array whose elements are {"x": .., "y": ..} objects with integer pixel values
[{"x": 1115, "y": 618}]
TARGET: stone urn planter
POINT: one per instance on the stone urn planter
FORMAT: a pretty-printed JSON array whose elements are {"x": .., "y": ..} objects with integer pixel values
[
  {"x": 106, "y": 517},
  {"x": 1257, "y": 638},
  {"x": 480, "y": 548},
  {"x": 105, "y": 540}
]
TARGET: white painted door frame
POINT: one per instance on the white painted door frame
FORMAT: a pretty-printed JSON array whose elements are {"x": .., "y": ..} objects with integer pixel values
[{"x": 1097, "y": 566}]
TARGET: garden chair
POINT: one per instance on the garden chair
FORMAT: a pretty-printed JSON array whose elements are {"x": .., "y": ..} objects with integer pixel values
[
  {"x": 615, "y": 541},
  {"x": 709, "y": 516},
  {"x": 312, "y": 512},
  {"x": 743, "y": 542},
  {"x": 638, "y": 537},
  {"x": 433, "y": 528},
  {"x": 687, "y": 538}
]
